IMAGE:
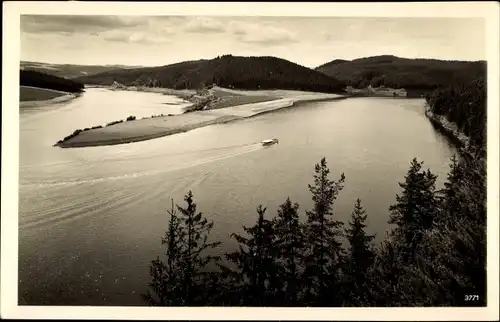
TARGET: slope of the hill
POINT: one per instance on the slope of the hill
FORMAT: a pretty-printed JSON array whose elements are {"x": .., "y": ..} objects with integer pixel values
[
  {"x": 226, "y": 71},
  {"x": 42, "y": 80},
  {"x": 70, "y": 70},
  {"x": 417, "y": 76}
]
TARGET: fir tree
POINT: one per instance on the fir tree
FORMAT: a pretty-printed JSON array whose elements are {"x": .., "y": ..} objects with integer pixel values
[
  {"x": 166, "y": 283},
  {"x": 416, "y": 207},
  {"x": 449, "y": 197},
  {"x": 183, "y": 279},
  {"x": 197, "y": 230},
  {"x": 386, "y": 278},
  {"x": 360, "y": 255},
  {"x": 290, "y": 244},
  {"x": 256, "y": 274},
  {"x": 453, "y": 257},
  {"x": 325, "y": 253}
]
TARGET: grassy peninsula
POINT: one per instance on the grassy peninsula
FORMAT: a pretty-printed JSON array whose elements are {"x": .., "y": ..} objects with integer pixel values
[{"x": 214, "y": 106}]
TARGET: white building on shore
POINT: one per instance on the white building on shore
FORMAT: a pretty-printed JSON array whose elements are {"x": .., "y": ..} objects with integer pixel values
[{"x": 380, "y": 91}]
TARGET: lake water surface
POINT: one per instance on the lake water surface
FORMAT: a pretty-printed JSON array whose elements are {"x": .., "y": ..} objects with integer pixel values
[{"x": 91, "y": 219}]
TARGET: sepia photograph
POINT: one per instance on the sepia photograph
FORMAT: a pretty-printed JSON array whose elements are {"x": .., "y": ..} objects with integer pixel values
[{"x": 254, "y": 160}]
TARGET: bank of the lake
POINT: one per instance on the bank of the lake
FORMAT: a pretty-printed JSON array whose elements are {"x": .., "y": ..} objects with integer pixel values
[
  {"x": 446, "y": 127},
  {"x": 34, "y": 96},
  {"x": 182, "y": 93},
  {"x": 236, "y": 106}
]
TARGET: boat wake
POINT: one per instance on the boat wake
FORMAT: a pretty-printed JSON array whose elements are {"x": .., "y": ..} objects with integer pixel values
[{"x": 223, "y": 153}]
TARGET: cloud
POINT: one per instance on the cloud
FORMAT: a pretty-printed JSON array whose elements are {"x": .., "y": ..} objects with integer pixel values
[
  {"x": 126, "y": 29},
  {"x": 113, "y": 35},
  {"x": 262, "y": 34},
  {"x": 205, "y": 25},
  {"x": 77, "y": 24},
  {"x": 153, "y": 29},
  {"x": 169, "y": 19},
  {"x": 132, "y": 37}
]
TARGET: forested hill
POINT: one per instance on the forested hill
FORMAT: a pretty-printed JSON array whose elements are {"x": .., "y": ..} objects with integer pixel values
[
  {"x": 415, "y": 75},
  {"x": 69, "y": 70},
  {"x": 226, "y": 71},
  {"x": 42, "y": 80}
]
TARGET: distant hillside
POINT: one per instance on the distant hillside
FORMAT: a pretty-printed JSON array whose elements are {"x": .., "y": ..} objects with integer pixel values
[
  {"x": 226, "y": 71},
  {"x": 68, "y": 70},
  {"x": 43, "y": 80},
  {"x": 415, "y": 75}
]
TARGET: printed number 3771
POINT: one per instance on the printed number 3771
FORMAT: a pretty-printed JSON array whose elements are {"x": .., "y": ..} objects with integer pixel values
[{"x": 471, "y": 297}]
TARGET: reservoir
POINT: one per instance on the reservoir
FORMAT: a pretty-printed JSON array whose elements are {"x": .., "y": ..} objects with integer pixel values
[{"x": 91, "y": 219}]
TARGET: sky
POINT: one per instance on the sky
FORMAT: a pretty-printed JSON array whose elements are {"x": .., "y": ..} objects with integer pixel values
[{"x": 308, "y": 41}]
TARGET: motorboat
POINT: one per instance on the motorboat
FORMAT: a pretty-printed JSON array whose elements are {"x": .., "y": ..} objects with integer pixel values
[{"x": 270, "y": 142}]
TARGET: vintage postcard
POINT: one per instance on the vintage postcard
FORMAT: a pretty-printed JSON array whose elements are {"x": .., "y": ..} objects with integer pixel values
[{"x": 325, "y": 161}]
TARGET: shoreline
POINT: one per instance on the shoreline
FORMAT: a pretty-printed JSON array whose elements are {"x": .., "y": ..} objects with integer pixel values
[
  {"x": 450, "y": 130},
  {"x": 61, "y": 98},
  {"x": 146, "y": 137},
  {"x": 183, "y": 94},
  {"x": 152, "y": 128},
  {"x": 57, "y": 100}
]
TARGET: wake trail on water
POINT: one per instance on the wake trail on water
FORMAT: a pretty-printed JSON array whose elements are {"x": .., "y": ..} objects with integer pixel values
[
  {"x": 225, "y": 154},
  {"x": 107, "y": 203},
  {"x": 151, "y": 155},
  {"x": 35, "y": 113}
]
